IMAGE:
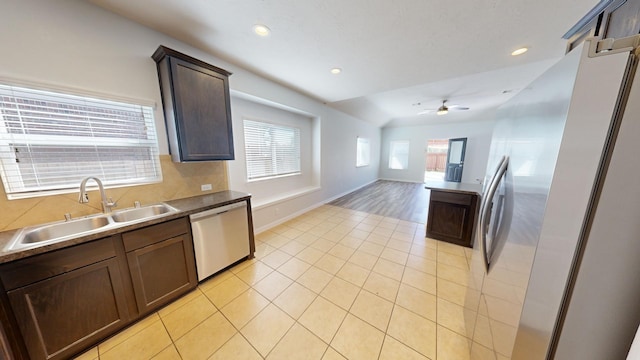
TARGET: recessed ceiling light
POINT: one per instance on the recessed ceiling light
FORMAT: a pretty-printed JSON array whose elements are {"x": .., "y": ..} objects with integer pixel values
[
  {"x": 519, "y": 51},
  {"x": 261, "y": 30},
  {"x": 336, "y": 71}
]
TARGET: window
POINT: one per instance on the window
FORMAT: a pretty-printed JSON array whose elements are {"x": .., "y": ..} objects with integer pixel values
[
  {"x": 271, "y": 150},
  {"x": 50, "y": 141},
  {"x": 363, "y": 152},
  {"x": 399, "y": 155}
]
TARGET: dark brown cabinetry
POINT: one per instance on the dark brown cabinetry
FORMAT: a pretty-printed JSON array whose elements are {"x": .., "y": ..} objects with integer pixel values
[
  {"x": 162, "y": 263},
  {"x": 67, "y": 300},
  {"x": 197, "y": 111},
  {"x": 57, "y": 304},
  {"x": 452, "y": 217}
]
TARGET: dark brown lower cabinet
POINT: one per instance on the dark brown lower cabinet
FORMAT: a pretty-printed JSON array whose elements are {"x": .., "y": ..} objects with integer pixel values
[
  {"x": 452, "y": 217},
  {"x": 58, "y": 304},
  {"x": 82, "y": 303},
  {"x": 161, "y": 262}
]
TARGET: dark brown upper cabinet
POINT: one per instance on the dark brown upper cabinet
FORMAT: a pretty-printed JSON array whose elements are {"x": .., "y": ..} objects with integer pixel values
[{"x": 197, "y": 111}]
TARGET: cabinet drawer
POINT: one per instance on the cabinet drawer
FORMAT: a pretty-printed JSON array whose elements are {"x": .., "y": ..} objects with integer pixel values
[
  {"x": 30, "y": 270},
  {"x": 451, "y": 198},
  {"x": 155, "y": 233}
]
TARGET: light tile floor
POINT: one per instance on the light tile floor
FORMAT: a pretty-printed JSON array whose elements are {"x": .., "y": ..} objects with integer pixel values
[{"x": 333, "y": 283}]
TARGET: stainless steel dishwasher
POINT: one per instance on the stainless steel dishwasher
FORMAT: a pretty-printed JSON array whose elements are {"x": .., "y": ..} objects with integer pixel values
[{"x": 220, "y": 237}]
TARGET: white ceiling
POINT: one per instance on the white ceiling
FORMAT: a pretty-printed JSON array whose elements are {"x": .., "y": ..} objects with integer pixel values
[{"x": 393, "y": 53}]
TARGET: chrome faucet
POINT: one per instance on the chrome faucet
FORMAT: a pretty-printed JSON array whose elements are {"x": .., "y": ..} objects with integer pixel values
[{"x": 107, "y": 204}]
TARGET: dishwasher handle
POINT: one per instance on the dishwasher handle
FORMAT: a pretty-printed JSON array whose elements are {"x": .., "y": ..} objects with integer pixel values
[{"x": 217, "y": 211}]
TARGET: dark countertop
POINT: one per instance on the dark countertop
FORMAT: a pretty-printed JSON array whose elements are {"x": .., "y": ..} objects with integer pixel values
[
  {"x": 455, "y": 187},
  {"x": 185, "y": 207}
]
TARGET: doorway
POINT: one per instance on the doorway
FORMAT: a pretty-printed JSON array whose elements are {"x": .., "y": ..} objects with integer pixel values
[
  {"x": 436, "y": 159},
  {"x": 444, "y": 159}
]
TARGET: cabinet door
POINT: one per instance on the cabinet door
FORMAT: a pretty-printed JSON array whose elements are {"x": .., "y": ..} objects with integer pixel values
[
  {"x": 162, "y": 272},
  {"x": 62, "y": 315},
  {"x": 203, "y": 115},
  {"x": 448, "y": 220},
  {"x": 451, "y": 217}
]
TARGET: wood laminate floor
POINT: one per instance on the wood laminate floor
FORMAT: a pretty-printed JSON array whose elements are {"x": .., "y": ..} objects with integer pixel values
[{"x": 396, "y": 199}]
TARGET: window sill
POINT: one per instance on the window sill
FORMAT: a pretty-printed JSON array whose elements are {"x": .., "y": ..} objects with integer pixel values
[
  {"x": 280, "y": 198},
  {"x": 273, "y": 177}
]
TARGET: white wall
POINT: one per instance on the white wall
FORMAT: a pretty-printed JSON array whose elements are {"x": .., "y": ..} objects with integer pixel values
[
  {"x": 265, "y": 191},
  {"x": 74, "y": 44},
  {"x": 478, "y": 136}
]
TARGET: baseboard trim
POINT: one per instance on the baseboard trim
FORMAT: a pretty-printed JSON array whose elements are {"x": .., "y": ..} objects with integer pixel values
[
  {"x": 349, "y": 191},
  {"x": 402, "y": 180}
]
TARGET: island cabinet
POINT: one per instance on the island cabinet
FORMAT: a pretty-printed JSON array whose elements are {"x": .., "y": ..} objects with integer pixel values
[
  {"x": 162, "y": 263},
  {"x": 66, "y": 300},
  {"x": 197, "y": 111},
  {"x": 452, "y": 216}
]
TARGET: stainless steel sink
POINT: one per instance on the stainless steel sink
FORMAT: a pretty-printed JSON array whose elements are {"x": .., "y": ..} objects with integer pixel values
[
  {"x": 50, "y": 233},
  {"x": 140, "y": 213},
  {"x": 54, "y": 232}
]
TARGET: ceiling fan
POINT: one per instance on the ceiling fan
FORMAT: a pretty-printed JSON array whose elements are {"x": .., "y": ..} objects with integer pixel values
[{"x": 442, "y": 110}]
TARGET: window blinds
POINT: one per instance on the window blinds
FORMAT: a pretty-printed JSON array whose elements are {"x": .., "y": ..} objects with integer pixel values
[
  {"x": 363, "y": 152},
  {"x": 271, "y": 150},
  {"x": 399, "y": 155},
  {"x": 50, "y": 141}
]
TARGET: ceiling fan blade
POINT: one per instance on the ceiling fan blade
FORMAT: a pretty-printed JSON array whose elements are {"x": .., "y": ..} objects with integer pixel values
[{"x": 458, "y": 107}]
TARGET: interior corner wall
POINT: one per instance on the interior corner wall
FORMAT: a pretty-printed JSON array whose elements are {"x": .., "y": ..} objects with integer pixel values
[
  {"x": 478, "y": 136},
  {"x": 77, "y": 45}
]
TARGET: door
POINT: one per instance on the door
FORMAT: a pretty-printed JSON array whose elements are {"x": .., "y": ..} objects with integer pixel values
[
  {"x": 61, "y": 315},
  {"x": 162, "y": 272},
  {"x": 455, "y": 159},
  {"x": 220, "y": 238}
]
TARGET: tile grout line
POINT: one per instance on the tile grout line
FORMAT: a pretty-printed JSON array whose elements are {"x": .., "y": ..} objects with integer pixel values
[{"x": 334, "y": 274}]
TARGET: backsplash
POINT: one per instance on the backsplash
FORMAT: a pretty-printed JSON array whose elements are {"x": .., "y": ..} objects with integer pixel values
[{"x": 179, "y": 180}]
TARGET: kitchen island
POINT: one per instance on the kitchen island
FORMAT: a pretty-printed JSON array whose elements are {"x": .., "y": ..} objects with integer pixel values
[{"x": 453, "y": 210}]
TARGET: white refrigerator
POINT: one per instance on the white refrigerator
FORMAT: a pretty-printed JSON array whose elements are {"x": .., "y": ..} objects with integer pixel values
[{"x": 555, "y": 271}]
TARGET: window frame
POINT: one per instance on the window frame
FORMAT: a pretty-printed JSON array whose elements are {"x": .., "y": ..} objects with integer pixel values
[
  {"x": 39, "y": 133},
  {"x": 393, "y": 154},
  {"x": 363, "y": 152},
  {"x": 272, "y": 126}
]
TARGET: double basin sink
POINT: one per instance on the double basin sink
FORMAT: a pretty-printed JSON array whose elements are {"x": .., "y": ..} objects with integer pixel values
[{"x": 54, "y": 232}]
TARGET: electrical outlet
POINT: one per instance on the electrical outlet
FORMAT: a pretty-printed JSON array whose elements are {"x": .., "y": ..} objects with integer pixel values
[{"x": 205, "y": 187}]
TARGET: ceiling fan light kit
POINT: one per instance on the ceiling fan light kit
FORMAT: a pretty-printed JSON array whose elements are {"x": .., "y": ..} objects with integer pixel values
[{"x": 443, "y": 110}]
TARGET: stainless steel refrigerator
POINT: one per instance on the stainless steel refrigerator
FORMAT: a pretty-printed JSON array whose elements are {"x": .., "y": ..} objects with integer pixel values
[{"x": 555, "y": 271}]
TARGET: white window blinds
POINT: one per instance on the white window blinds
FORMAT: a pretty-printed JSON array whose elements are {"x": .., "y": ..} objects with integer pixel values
[
  {"x": 50, "y": 141},
  {"x": 363, "y": 152},
  {"x": 271, "y": 150},
  {"x": 399, "y": 155}
]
